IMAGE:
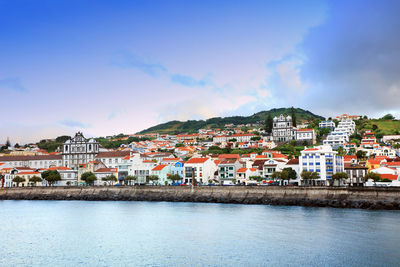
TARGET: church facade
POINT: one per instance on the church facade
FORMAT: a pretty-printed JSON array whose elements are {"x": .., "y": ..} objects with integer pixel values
[
  {"x": 79, "y": 150},
  {"x": 283, "y": 130}
]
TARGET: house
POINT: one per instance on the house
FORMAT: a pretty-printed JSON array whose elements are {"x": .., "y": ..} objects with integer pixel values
[
  {"x": 68, "y": 176},
  {"x": 101, "y": 173},
  {"x": 201, "y": 169},
  {"x": 306, "y": 136},
  {"x": 112, "y": 159},
  {"x": 294, "y": 164},
  {"x": 34, "y": 162},
  {"x": 243, "y": 175},
  {"x": 356, "y": 173},
  {"x": 227, "y": 170},
  {"x": 323, "y": 160},
  {"x": 163, "y": 172}
]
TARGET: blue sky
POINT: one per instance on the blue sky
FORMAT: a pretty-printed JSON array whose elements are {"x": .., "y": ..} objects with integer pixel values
[{"x": 106, "y": 67}]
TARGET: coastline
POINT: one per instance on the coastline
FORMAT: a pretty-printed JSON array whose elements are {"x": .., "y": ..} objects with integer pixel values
[{"x": 337, "y": 197}]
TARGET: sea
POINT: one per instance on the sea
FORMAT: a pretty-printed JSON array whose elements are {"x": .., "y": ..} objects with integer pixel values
[{"x": 119, "y": 233}]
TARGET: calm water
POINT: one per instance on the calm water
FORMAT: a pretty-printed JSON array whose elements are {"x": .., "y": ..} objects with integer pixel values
[{"x": 74, "y": 233}]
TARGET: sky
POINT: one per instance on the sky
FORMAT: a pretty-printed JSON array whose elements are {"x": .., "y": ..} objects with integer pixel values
[{"x": 110, "y": 67}]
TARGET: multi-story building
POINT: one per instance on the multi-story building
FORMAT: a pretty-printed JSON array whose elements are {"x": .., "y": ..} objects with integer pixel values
[
  {"x": 282, "y": 129},
  {"x": 323, "y": 160},
  {"x": 202, "y": 169},
  {"x": 79, "y": 150},
  {"x": 327, "y": 124},
  {"x": 356, "y": 173},
  {"x": 37, "y": 161},
  {"x": 306, "y": 135},
  {"x": 341, "y": 134},
  {"x": 227, "y": 170}
]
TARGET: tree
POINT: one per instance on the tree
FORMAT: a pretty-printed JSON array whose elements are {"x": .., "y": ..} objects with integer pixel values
[
  {"x": 153, "y": 179},
  {"x": 18, "y": 180},
  {"x": 110, "y": 179},
  {"x": 17, "y": 145},
  {"x": 276, "y": 175},
  {"x": 293, "y": 115},
  {"x": 340, "y": 151},
  {"x": 175, "y": 178},
  {"x": 376, "y": 177},
  {"x": 388, "y": 117},
  {"x": 255, "y": 138},
  {"x": 130, "y": 178},
  {"x": 309, "y": 176},
  {"x": 89, "y": 178},
  {"x": 356, "y": 141},
  {"x": 68, "y": 183},
  {"x": 269, "y": 124},
  {"x": 51, "y": 176},
  {"x": 35, "y": 179},
  {"x": 361, "y": 154},
  {"x": 284, "y": 176},
  {"x": 179, "y": 145},
  {"x": 339, "y": 176},
  {"x": 292, "y": 174}
]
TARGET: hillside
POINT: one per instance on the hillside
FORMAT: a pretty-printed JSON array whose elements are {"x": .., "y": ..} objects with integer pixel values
[
  {"x": 174, "y": 127},
  {"x": 379, "y": 126}
]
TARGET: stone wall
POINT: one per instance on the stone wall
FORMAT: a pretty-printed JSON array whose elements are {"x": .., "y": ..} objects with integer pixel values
[{"x": 368, "y": 198}]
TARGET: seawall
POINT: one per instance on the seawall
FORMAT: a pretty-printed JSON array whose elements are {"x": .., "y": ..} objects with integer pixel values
[{"x": 365, "y": 198}]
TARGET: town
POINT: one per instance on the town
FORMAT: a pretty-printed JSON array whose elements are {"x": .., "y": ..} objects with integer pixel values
[{"x": 280, "y": 151}]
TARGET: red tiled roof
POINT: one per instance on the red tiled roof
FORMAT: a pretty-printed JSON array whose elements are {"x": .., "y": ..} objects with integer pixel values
[
  {"x": 106, "y": 170},
  {"x": 229, "y": 156},
  {"x": 389, "y": 176},
  {"x": 293, "y": 162},
  {"x": 197, "y": 160},
  {"x": 159, "y": 167},
  {"x": 113, "y": 154},
  {"x": 242, "y": 170}
]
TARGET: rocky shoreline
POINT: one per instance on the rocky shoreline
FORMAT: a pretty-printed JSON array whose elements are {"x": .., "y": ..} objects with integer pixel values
[{"x": 361, "y": 198}]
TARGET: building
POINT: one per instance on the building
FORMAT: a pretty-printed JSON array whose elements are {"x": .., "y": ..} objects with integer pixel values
[
  {"x": 323, "y": 160},
  {"x": 243, "y": 175},
  {"x": 37, "y": 161},
  {"x": 356, "y": 173},
  {"x": 282, "y": 129},
  {"x": 79, "y": 150},
  {"x": 306, "y": 136},
  {"x": 327, "y": 124},
  {"x": 227, "y": 170},
  {"x": 162, "y": 171},
  {"x": 341, "y": 135},
  {"x": 202, "y": 169}
]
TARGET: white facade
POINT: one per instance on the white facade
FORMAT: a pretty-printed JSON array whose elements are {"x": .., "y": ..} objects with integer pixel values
[
  {"x": 341, "y": 134},
  {"x": 79, "y": 150},
  {"x": 327, "y": 124},
  {"x": 203, "y": 170},
  {"x": 282, "y": 130},
  {"x": 307, "y": 135},
  {"x": 323, "y": 160}
]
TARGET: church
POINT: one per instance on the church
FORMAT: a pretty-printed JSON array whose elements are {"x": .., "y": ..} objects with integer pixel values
[{"x": 79, "y": 150}]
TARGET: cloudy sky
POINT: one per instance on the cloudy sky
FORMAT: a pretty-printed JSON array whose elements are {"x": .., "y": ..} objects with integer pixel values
[{"x": 106, "y": 67}]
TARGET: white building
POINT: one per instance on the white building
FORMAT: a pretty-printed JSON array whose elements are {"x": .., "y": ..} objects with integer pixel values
[
  {"x": 202, "y": 169},
  {"x": 306, "y": 135},
  {"x": 341, "y": 134},
  {"x": 79, "y": 150},
  {"x": 227, "y": 170},
  {"x": 323, "y": 160},
  {"x": 282, "y": 129},
  {"x": 327, "y": 124}
]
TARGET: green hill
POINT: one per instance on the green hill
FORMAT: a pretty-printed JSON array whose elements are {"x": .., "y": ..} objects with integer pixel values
[{"x": 190, "y": 126}]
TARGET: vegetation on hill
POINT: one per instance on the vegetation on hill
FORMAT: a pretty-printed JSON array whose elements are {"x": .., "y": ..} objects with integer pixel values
[{"x": 192, "y": 126}]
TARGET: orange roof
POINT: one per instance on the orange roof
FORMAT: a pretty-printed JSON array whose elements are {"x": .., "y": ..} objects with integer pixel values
[
  {"x": 349, "y": 157},
  {"x": 261, "y": 157},
  {"x": 242, "y": 170},
  {"x": 159, "y": 167},
  {"x": 107, "y": 170},
  {"x": 305, "y": 130},
  {"x": 311, "y": 149},
  {"x": 374, "y": 161},
  {"x": 171, "y": 159},
  {"x": 217, "y": 162},
  {"x": 148, "y": 161},
  {"x": 278, "y": 155},
  {"x": 229, "y": 156},
  {"x": 197, "y": 160},
  {"x": 389, "y": 176},
  {"x": 253, "y": 169}
]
